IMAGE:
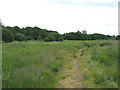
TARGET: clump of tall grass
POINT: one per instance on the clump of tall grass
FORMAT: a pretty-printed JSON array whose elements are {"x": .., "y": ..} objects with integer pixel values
[
  {"x": 105, "y": 43},
  {"x": 34, "y": 64},
  {"x": 31, "y": 65},
  {"x": 102, "y": 66}
]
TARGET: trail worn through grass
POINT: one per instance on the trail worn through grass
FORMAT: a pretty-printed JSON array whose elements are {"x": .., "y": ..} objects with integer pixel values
[
  {"x": 71, "y": 76},
  {"x": 39, "y": 64}
]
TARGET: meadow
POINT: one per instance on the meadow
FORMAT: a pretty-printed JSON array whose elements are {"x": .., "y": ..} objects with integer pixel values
[
  {"x": 99, "y": 65},
  {"x": 37, "y": 64}
]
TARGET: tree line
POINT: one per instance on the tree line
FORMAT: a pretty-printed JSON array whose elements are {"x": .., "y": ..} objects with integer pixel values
[{"x": 10, "y": 34}]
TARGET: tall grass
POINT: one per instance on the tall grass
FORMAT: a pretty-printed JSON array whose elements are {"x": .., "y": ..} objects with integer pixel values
[
  {"x": 36, "y": 64},
  {"x": 33, "y": 64},
  {"x": 100, "y": 66},
  {"x": 0, "y": 66}
]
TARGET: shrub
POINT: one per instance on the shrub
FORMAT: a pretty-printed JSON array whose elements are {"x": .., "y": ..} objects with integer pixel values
[
  {"x": 118, "y": 37},
  {"x": 105, "y": 44},
  {"x": 46, "y": 39},
  {"x": 29, "y": 38},
  {"x": 7, "y": 35},
  {"x": 39, "y": 37},
  {"x": 20, "y": 37},
  {"x": 61, "y": 39},
  {"x": 54, "y": 66},
  {"x": 50, "y": 38},
  {"x": 88, "y": 44}
]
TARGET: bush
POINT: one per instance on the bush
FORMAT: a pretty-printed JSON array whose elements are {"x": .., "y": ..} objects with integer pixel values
[
  {"x": 54, "y": 66},
  {"x": 46, "y": 39},
  {"x": 60, "y": 38},
  {"x": 20, "y": 37},
  {"x": 101, "y": 62},
  {"x": 118, "y": 37},
  {"x": 50, "y": 38},
  {"x": 89, "y": 44},
  {"x": 105, "y": 44},
  {"x": 7, "y": 35},
  {"x": 39, "y": 37},
  {"x": 29, "y": 38}
]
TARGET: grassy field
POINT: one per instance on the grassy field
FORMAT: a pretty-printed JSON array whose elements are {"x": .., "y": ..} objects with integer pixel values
[
  {"x": 37, "y": 64},
  {"x": 99, "y": 65},
  {"x": 0, "y": 65}
]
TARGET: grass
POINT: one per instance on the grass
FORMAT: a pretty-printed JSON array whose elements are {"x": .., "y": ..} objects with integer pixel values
[
  {"x": 37, "y": 64},
  {"x": 100, "y": 66},
  {"x": 33, "y": 64},
  {"x": 0, "y": 66}
]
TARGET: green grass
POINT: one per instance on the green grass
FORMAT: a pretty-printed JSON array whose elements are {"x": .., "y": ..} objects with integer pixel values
[
  {"x": 33, "y": 64},
  {"x": 100, "y": 66},
  {"x": 0, "y": 66},
  {"x": 36, "y": 64}
]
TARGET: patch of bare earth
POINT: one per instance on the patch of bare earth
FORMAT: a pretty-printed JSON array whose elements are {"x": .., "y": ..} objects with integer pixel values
[{"x": 71, "y": 76}]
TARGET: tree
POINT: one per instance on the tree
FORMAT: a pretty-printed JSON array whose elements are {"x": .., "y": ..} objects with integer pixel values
[
  {"x": 61, "y": 38},
  {"x": 46, "y": 39},
  {"x": 29, "y": 38},
  {"x": 39, "y": 37},
  {"x": 78, "y": 35},
  {"x": 36, "y": 33},
  {"x": 54, "y": 34},
  {"x": 1, "y": 30},
  {"x": 69, "y": 36},
  {"x": 51, "y": 38},
  {"x": 118, "y": 37},
  {"x": 20, "y": 37},
  {"x": 7, "y": 35}
]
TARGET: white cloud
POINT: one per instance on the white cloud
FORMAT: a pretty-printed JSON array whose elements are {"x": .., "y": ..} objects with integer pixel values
[{"x": 60, "y": 17}]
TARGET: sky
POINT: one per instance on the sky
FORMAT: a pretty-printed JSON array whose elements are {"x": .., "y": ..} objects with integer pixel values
[{"x": 95, "y": 16}]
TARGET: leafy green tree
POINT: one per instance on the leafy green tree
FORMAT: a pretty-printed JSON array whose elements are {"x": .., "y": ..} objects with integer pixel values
[
  {"x": 35, "y": 33},
  {"x": 78, "y": 35},
  {"x": 61, "y": 38},
  {"x": 1, "y": 31},
  {"x": 46, "y": 39},
  {"x": 7, "y": 35},
  {"x": 29, "y": 38},
  {"x": 69, "y": 36},
  {"x": 20, "y": 37},
  {"x": 39, "y": 37},
  {"x": 118, "y": 37},
  {"x": 54, "y": 34},
  {"x": 51, "y": 38}
]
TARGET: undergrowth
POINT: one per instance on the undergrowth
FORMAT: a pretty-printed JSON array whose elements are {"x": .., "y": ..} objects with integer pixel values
[
  {"x": 36, "y": 64},
  {"x": 100, "y": 66}
]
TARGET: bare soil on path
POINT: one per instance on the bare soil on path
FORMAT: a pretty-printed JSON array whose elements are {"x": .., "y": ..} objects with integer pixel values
[{"x": 71, "y": 76}]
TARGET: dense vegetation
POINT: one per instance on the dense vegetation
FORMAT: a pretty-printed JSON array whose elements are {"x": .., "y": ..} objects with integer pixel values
[
  {"x": 99, "y": 65},
  {"x": 38, "y": 63},
  {"x": 15, "y": 33},
  {"x": 33, "y": 64}
]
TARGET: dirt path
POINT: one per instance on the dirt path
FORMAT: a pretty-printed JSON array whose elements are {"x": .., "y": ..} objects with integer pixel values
[{"x": 70, "y": 76}]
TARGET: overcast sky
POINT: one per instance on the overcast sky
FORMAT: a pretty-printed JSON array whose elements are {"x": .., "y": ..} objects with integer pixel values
[{"x": 96, "y": 16}]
